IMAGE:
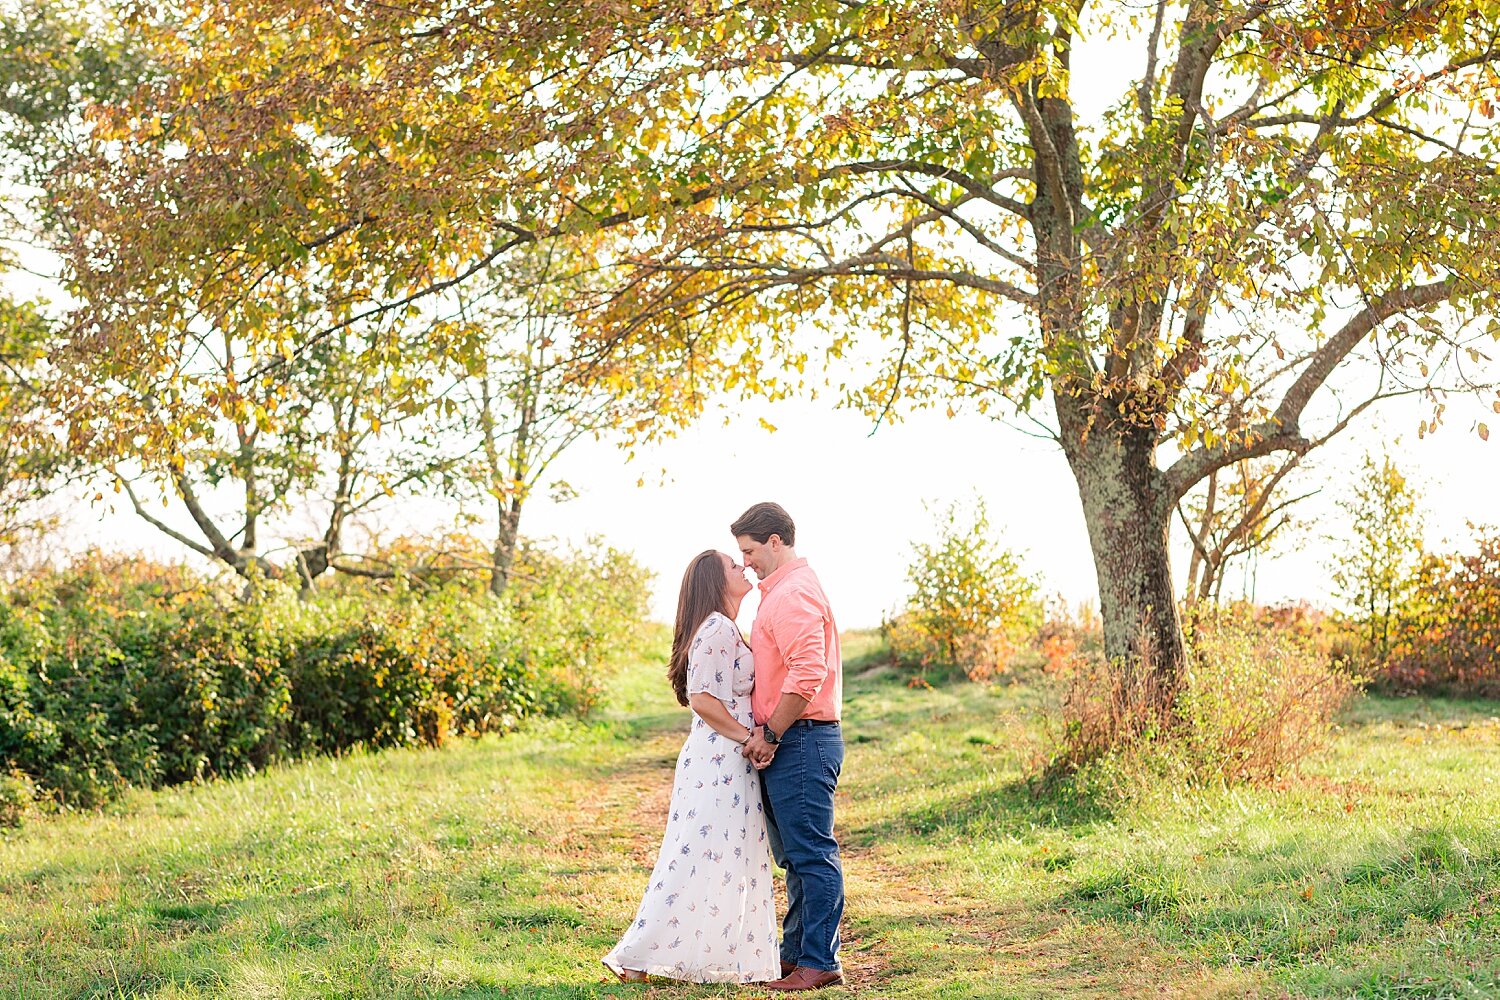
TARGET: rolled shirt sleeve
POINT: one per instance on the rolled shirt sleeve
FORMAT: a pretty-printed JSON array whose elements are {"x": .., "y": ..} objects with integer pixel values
[
  {"x": 796, "y": 645},
  {"x": 800, "y": 631}
]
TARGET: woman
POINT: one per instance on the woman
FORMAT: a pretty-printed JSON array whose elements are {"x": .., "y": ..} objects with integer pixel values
[{"x": 707, "y": 915}]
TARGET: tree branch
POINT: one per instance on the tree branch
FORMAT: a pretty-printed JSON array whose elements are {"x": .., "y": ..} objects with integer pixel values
[
  {"x": 159, "y": 525},
  {"x": 1281, "y": 432},
  {"x": 1381, "y": 104},
  {"x": 983, "y": 190}
]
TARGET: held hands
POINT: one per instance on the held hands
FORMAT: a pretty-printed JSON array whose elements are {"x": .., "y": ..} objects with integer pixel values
[{"x": 758, "y": 751}]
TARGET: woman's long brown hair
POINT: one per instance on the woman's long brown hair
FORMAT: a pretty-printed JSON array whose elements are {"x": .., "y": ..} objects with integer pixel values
[{"x": 703, "y": 587}]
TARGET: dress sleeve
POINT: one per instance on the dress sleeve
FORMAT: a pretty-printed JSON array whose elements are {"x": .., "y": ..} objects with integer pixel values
[{"x": 711, "y": 660}]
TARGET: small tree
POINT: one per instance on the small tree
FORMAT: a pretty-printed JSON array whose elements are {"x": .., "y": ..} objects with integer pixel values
[
  {"x": 238, "y": 433},
  {"x": 1240, "y": 510},
  {"x": 971, "y": 604},
  {"x": 526, "y": 386},
  {"x": 1375, "y": 577}
]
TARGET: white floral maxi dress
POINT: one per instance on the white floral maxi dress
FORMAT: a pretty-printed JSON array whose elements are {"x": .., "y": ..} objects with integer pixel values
[{"x": 707, "y": 915}]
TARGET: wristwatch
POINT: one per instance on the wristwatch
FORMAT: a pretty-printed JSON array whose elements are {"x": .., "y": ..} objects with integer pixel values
[{"x": 770, "y": 735}]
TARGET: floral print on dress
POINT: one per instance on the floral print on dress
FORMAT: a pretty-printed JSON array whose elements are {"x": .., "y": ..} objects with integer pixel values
[{"x": 707, "y": 915}]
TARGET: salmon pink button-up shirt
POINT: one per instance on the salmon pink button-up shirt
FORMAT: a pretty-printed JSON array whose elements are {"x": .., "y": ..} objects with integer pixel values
[{"x": 796, "y": 645}]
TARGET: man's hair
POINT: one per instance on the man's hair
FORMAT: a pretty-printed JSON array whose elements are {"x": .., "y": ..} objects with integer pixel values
[{"x": 764, "y": 520}]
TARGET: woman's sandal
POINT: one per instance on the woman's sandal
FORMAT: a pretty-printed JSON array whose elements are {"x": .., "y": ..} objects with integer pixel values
[{"x": 629, "y": 975}]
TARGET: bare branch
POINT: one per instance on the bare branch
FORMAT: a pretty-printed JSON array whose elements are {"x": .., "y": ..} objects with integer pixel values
[
  {"x": 1282, "y": 432},
  {"x": 1378, "y": 107},
  {"x": 159, "y": 525},
  {"x": 982, "y": 189},
  {"x": 1148, "y": 82}
]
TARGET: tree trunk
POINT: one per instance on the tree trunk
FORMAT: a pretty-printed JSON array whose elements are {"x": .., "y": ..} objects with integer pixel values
[
  {"x": 314, "y": 561},
  {"x": 1129, "y": 515},
  {"x": 1213, "y": 578},
  {"x": 505, "y": 545}
]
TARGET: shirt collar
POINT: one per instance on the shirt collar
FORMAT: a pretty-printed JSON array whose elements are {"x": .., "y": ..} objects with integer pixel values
[{"x": 770, "y": 582}]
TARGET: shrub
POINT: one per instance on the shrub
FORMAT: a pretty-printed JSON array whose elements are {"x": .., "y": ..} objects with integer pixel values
[
  {"x": 219, "y": 696},
  {"x": 116, "y": 673},
  {"x": 1448, "y": 638},
  {"x": 18, "y": 794},
  {"x": 971, "y": 607},
  {"x": 579, "y": 609},
  {"x": 1109, "y": 711},
  {"x": 1254, "y": 700},
  {"x": 407, "y": 670},
  {"x": 82, "y": 645},
  {"x": 1331, "y": 638},
  {"x": 1068, "y": 635},
  {"x": 1257, "y": 699}
]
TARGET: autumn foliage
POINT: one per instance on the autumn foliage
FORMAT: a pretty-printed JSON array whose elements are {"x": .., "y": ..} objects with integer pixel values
[
  {"x": 1448, "y": 637},
  {"x": 972, "y": 604},
  {"x": 1260, "y": 694}
]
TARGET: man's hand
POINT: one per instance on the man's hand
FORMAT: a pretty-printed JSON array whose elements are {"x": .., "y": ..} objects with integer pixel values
[{"x": 757, "y": 750}]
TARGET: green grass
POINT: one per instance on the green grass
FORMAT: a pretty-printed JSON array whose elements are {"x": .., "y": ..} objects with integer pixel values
[{"x": 506, "y": 867}]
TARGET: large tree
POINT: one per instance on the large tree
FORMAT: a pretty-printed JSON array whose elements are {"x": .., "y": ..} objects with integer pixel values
[{"x": 1309, "y": 179}]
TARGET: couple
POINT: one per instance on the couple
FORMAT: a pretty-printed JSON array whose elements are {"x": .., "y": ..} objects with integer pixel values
[{"x": 755, "y": 778}]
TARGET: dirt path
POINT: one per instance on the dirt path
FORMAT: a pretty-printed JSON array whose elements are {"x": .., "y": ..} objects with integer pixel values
[{"x": 910, "y": 934}]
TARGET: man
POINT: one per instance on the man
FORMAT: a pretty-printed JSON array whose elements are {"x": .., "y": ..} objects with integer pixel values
[{"x": 797, "y": 742}]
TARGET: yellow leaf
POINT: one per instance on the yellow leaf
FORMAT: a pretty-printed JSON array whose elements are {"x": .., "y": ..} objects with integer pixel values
[
  {"x": 768, "y": 425},
  {"x": 1484, "y": 432}
]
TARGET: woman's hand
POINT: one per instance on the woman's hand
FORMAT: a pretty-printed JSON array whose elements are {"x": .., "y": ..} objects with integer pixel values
[{"x": 758, "y": 750}]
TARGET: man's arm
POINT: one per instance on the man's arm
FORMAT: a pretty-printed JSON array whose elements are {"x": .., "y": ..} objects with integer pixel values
[
  {"x": 788, "y": 710},
  {"x": 800, "y": 633}
]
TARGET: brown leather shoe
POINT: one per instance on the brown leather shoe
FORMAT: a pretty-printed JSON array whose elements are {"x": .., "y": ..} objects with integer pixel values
[
  {"x": 802, "y": 978},
  {"x": 787, "y": 968}
]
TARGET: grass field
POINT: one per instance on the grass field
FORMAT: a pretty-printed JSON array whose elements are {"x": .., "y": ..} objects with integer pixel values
[{"x": 506, "y": 867}]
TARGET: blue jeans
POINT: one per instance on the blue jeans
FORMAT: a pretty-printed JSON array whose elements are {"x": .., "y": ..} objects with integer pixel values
[{"x": 798, "y": 791}]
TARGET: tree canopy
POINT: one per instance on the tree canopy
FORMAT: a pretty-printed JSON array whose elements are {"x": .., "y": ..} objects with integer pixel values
[{"x": 1283, "y": 191}]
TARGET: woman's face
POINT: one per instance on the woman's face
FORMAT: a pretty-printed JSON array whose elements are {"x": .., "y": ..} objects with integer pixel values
[{"x": 736, "y": 582}]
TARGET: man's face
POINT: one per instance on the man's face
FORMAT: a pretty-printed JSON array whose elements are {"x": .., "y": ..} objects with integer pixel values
[{"x": 760, "y": 556}]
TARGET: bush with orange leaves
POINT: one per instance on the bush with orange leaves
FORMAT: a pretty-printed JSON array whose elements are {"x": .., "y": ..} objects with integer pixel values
[
  {"x": 1067, "y": 633},
  {"x": 1447, "y": 638}
]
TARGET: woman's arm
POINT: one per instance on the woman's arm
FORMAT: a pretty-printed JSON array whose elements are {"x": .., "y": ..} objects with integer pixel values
[{"x": 712, "y": 711}]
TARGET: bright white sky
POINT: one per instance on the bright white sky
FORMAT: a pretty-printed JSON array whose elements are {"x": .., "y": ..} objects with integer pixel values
[{"x": 858, "y": 499}]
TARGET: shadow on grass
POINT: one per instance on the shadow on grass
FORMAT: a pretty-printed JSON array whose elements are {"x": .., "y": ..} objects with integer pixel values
[
  {"x": 1012, "y": 808},
  {"x": 1377, "y": 708}
]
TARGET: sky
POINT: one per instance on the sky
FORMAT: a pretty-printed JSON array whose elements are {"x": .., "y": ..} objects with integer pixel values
[{"x": 860, "y": 499}]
